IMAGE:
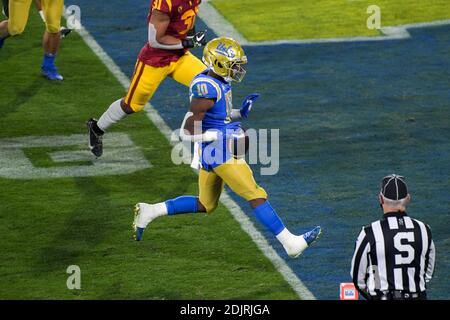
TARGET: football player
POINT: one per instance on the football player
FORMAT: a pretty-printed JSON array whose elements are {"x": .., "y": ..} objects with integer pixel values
[
  {"x": 18, "y": 11},
  {"x": 210, "y": 122},
  {"x": 171, "y": 34},
  {"x": 64, "y": 32}
]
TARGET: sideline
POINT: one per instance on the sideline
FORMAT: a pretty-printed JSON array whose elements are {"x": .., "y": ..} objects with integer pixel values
[{"x": 222, "y": 27}]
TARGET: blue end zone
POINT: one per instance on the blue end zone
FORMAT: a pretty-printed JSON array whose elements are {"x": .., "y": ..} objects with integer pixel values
[{"x": 349, "y": 113}]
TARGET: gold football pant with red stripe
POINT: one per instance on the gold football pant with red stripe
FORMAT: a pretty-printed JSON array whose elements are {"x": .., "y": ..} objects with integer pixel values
[
  {"x": 19, "y": 11},
  {"x": 237, "y": 174},
  {"x": 146, "y": 78}
]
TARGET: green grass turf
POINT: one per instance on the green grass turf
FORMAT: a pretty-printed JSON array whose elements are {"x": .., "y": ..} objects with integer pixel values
[
  {"x": 306, "y": 19},
  {"x": 47, "y": 225}
]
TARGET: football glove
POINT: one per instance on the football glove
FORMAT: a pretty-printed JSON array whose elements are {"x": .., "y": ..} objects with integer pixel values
[
  {"x": 64, "y": 32},
  {"x": 195, "y": 41},
  {"x": 247, "y": 104}
]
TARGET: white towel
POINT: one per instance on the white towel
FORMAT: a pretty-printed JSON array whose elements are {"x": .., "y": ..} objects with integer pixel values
[{"x": 196, "y": 164}]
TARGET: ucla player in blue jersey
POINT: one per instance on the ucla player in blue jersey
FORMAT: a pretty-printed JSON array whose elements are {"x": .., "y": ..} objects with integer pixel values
[{"x": 210, "y": 123}]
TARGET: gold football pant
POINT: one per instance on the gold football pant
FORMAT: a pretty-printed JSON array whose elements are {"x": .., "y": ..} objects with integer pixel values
[
  {"x": 146, "y": 78},
  {"x": 19, "y": 11},
  {"x": 237, "y": 174}
]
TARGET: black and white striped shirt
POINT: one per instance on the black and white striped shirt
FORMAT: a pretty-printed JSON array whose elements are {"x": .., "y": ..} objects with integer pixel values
[{"x": 394, "y": 253}]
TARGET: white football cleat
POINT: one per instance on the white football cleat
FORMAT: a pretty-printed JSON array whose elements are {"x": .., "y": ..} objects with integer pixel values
[
  {"x": 142, "y": 217},
  {"x": 296, "y": 248},
  {"x": 144, "y": 213},
  {"x": 297, "y": 244}
]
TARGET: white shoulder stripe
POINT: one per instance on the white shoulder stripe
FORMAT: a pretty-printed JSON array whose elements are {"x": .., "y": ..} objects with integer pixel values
[
  {"x": 408, "y": 223},
  {"x": 211, "y": 82},
  {"x": 393, "y": 223}
]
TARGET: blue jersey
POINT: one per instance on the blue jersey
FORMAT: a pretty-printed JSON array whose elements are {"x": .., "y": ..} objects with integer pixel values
[
  {"x": 217, "y": 118},
  {"x": 204, "y": 86}
]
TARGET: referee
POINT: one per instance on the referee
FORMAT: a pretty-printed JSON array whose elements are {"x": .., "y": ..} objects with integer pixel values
[{"x": 394, "y": 256}]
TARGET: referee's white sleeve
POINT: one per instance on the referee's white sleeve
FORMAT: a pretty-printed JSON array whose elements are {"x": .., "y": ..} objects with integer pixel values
[
  {"x": 431, "y": 259},
  {"x": 360, "y": 261}
]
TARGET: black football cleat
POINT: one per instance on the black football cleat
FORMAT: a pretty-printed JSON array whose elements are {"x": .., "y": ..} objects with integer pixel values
[
  {"x": 95, "y": 137},
  {"x": 65, "y": 32}
]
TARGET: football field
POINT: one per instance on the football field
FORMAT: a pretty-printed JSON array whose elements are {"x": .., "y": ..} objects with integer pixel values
[
  {"x": 349, "y": 114},
  {"x": 50, "y": 223}
]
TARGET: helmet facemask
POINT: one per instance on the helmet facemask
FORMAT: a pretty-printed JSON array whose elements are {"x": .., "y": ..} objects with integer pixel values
[{"x": 237, "y": 72}]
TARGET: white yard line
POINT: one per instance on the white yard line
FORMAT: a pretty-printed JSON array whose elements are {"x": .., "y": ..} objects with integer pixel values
[
  {"x": 245, "y": 223},
  {"x": 223, "y": 28}
]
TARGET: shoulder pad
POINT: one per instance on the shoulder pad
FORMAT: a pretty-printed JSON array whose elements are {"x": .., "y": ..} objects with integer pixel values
[{"x": 203, "y": 87}]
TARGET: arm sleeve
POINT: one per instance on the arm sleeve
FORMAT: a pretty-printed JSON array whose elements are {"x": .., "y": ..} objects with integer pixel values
[
  {"x": 235, "y": 114},
  {"x": 155, "y": 44},
  {"x": 430, "y": 257},
  {"x": 164, "y": 6},
  {"x": 359, "y": 265}
]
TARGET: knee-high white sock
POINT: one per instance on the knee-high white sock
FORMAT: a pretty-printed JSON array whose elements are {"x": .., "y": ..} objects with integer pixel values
[{"x": 111, "y": 116}]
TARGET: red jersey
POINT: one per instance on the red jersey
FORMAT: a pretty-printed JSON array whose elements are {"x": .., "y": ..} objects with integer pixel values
[{"x": 182, "y": 19}]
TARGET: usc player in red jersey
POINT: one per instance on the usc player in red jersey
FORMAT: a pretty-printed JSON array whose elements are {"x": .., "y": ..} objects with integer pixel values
[{"x": 171, "y": 34}]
